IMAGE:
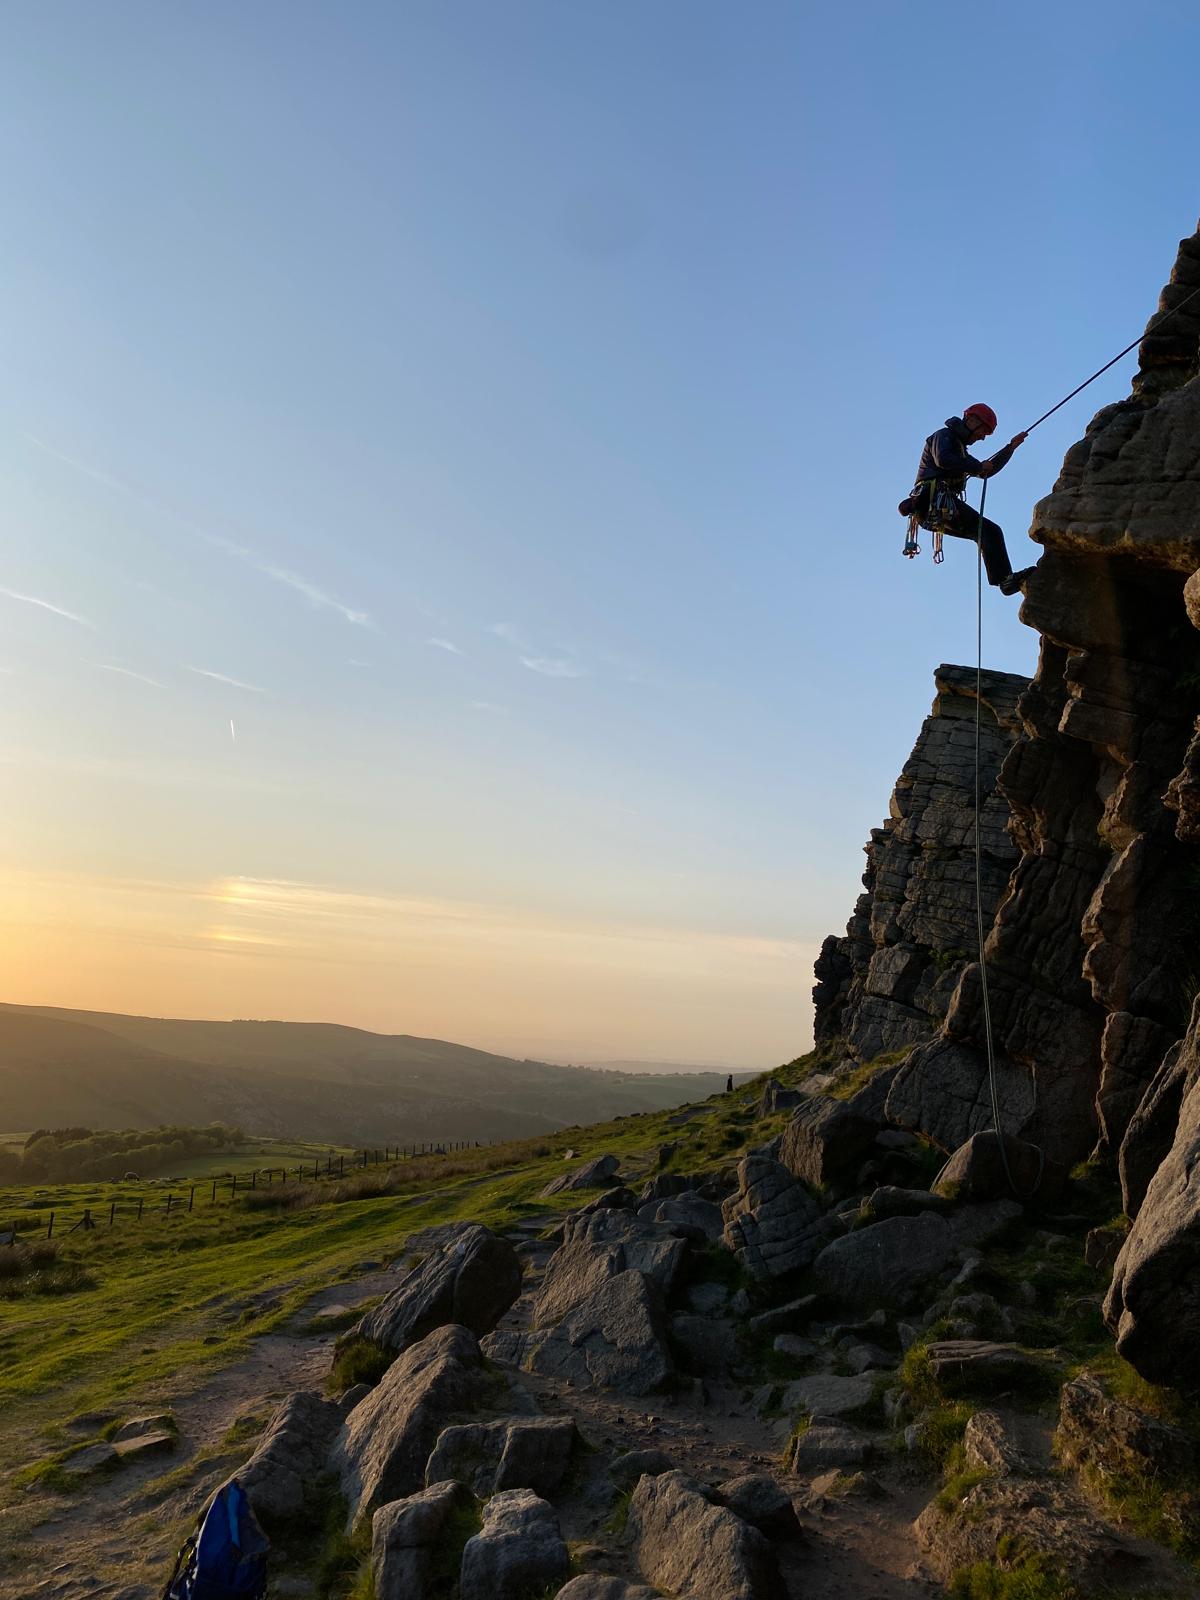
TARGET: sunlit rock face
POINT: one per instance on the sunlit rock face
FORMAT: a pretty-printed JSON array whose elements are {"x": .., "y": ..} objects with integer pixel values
[{"x": 888, "y": 982}]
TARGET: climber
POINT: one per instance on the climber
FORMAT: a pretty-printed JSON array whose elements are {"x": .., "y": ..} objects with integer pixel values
[{"x": 937, "y": 500}]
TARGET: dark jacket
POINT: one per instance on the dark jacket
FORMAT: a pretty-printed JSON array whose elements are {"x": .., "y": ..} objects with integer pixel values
[{"x": 945, "y": 457}]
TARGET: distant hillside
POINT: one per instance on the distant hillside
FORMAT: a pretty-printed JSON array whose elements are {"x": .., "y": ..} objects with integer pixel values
[{"x": 299, "y": 1079}]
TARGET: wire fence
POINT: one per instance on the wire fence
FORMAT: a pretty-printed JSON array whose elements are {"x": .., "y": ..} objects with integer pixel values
[{"x": 223, "y": 1189}]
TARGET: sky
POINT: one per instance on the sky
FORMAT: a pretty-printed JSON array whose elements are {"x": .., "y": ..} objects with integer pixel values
[{"x": 451, "y": 581}]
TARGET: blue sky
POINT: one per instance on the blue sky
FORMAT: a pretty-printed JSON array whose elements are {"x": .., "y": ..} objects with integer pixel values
[{"x": 512, "y": 399}]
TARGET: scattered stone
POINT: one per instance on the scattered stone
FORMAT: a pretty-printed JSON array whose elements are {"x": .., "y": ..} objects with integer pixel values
[
  {"x": 627, "y": 1469},
  {"x": 868, "y": 1358},
  {"x": 405, "y": 1536},
  {"x": 826, "y": 1395},
  {"x": 838, "y": 1485},
  {"x": 786, "y": 1317},
  {"x": 381, "y": 1450},
  {"x": 707, "y": 1298},
  {"x": 828, "y": 1444},
  {"x": 92, "y": 1458},
  {"x": 763, "y": 1502},
  {"x": 777, "y": 1097},
  {"x": 689, "y": 1547},
  {"x": 616, "y": 1339},
  {"x": 470, "y": 1280},
  {"x": 154, "y": 1422},
  {"x": 1102, "y": 1247},
  {"x": 145, "y": 1445},
  {"x": 593, "y": 1175},
  {"x": 892, "y": 1202},
  {"x": 687, "y": 1216},
  {"x": 290, "y": 1457},
  {"x": 519, "y": 1551},
  {"x": 665, "y": 1186}
]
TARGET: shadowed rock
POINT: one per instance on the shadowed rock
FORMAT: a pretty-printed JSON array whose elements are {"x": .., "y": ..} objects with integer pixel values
[
  {"x": 518, "y": 1552},
  {"x": 405, "y": 1540},
  {"x": 510, "y": 1453},
  {"x": 689, "y": 1547},
  {"x": 616, "y": 1339},
  {"x": 279, "y": 1477},
  {"x": 592, "y": 1175}
]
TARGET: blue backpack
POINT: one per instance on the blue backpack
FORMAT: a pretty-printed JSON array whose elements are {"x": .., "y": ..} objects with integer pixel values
[{"x": 226, "y": 1558}]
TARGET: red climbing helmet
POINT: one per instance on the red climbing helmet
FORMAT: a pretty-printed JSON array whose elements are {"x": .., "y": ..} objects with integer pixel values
[{"x": 981, "y": 413}]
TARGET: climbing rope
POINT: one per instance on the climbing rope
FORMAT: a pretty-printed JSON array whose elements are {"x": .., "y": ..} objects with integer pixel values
[{"x": 1169, "y": 312}]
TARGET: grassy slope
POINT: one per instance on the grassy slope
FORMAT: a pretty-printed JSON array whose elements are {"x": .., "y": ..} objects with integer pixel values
[{"x": 176, "y": 1295}]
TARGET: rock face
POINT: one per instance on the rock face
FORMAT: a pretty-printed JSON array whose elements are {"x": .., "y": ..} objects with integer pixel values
[
  {"x": 381, "y": 1450},
  {"x": 596, "y": 1248},
  {"x": 1153, "y": 1305},
  {"x": 887, "y": 984},
  {"x": 772, "y": 1224},
  {"x": 689, "y": 1547},
  {"x": 472, "y": 1279}
]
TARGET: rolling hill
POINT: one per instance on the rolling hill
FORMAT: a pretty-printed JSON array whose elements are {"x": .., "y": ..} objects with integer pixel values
[{"x": 299, "y": 1079}]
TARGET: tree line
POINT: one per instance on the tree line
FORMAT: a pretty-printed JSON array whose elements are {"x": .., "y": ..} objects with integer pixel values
[{"x": 67, "y": 1155}]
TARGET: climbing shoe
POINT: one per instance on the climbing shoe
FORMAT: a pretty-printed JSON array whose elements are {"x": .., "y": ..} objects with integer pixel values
[{"x": 1015, "y": 581}]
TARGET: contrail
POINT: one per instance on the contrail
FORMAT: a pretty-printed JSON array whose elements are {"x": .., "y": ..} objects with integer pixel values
[{"x": 232, "y": 731}]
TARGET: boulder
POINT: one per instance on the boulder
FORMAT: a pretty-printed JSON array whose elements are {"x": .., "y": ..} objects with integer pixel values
[
  {"x": 1152, "y": 1305},
  {"x": 596, "y": 1248},
  {"x": 519, "y": 1550},
  {"x": 154, "y": 1422},
  {"x": 795, "y": 1314},
  {"x": 826, "y": 1395},
  {"x": 889, "y": 1201},
  {"x": 472, "y": 1279},
  {"x": 691, "y": 1548},
  {"x": 615, "y": 1339},
  {"x": 826, "y": 1141},
  {"x": 763, "y": 1502},
  {"x": 772, "y": 1224},
  {"x": 381, "y": 1449},
  {"x": 827, "y": 1444},
  {"x": 1151, "y": 1131},
  {"x": 290, "y": 1457},
  {"x": 963, "y": 1365},
  {"x": 888, "y": 1261},
  {"x": 145, "y": 1445},
  {"x": 510, "y": 1453},
  {"x": 976, "y": 1170},
  {"x": 90, "y": 1458},
  {"x": 665, "y": 1186},
  {"x": 406, "y": 1540},
  {"x": 592, "y": 1175},
  {"x": 777, "y": 1097},
  {"x": 688, "y": 1216}
]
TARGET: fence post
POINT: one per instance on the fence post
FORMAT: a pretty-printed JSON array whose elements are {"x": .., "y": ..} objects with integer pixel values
[
  {"x": 169, "y": 1199},
  {"x": 50, "y": 1229},
  {"x": 213, "y": 1201},
  {"x": 341, "y": 1166},
  {"x": 192, "y": 1198},
  {"x": 233, "y": 1190},
  {"x": 112, "y": 1211},
  {"x": 254, "y": 1179},
  {"x": 141, "y": 1203}
]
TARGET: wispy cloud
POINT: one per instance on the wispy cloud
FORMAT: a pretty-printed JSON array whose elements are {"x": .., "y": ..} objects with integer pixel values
[
  {"x": 553, "y": 667},
  {"x": 128, "y": 672},
  {"x": 510, "y": 635},
  {"x": 312, "y": 592},
  {"x": 59, "y": 611},
  {"x": 445, "y": 644},
  {"x": 234, "y": 683},
  {"x": 489, "y": 705}
]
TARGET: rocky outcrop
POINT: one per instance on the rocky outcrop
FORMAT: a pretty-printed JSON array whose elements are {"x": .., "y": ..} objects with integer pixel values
[
  {"x": 596, "y": 1248},
  {"x": 510, "y": 1453},
  {"x": 592, "y": 1175},
  {"x": 772, "y": 1224},
  {"x": 471, "y": 1279},
  {"x": 406, "y": 1540},
  {"x": 888, "y": 982},
  {"x": 615, "y": 1339}
]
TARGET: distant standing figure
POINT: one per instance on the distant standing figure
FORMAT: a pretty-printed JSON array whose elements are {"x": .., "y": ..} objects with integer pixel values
[
  {"x": 729, "y": 1084},
  {"x": 937, "y": 500}
]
